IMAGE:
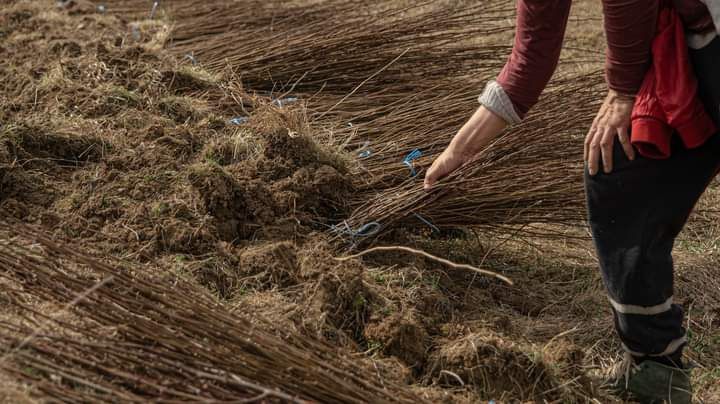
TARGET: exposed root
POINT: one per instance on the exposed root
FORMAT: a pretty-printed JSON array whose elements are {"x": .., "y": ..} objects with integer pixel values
[{"x": 432, "y": 257}]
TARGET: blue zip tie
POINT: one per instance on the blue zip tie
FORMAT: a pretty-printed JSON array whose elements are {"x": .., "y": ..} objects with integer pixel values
[
  {"x": 365, "y": 154},
  {"x": 366, "y": 230},
  {"x": 364, "y": 151},
  {"x": 283, "y": 101},
  {"x": 427, "y": 222},
  {"x": 408, "y": 161},
  {"x": 239, "y": 120},
  {"x": 154, "y": 9}
]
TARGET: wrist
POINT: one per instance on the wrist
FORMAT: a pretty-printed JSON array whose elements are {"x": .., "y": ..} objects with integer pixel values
[
  {"x": 615, "y": 96},
  {"x": 481, "y": 129}
]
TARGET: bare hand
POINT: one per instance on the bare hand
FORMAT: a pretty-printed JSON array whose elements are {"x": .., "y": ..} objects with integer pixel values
[
  {"x": 473, "y": 137},
  {"x": 449, "y": 161},
  {"x": 613, "y": 120}
]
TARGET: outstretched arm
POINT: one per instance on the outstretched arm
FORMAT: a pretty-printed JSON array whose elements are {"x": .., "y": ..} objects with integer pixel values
[{"x": 536, "y": 50}]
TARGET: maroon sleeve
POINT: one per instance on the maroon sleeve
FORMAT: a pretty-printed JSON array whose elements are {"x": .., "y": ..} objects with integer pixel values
[
  {"x": 538, "y": 41},
  {"x": 630, "y": 29}
]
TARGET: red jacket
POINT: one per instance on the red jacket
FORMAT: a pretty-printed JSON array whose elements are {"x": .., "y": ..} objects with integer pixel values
[{"x": 668, "y": 101}]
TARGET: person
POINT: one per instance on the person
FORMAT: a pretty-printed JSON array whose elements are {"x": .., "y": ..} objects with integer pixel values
[{"x": 637, "y": 205}]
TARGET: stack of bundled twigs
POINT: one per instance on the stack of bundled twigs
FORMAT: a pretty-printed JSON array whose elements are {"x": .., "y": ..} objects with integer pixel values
[
  {"x": 123, "y": 337},
  {"x": 335, "y": 49},
  {"x": 351, "y": 63},
  {"x": 331, "y": 47}
]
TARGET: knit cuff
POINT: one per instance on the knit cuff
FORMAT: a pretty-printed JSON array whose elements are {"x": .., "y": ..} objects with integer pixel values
[
  {"x": 699, "y": 41},
  {"x": 496, "y": 100},
  {"x": 714, "y": 8}
]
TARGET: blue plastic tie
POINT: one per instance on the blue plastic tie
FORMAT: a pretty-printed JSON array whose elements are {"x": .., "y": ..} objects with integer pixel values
[
  {"x": 365, "y": 154},
  {"x": 154, "y": 9},
  {"x": 366, "y": 230},
  {"x": 281, "y": 102},
  {"x": 427, "y": 222},
  {"x": 239, "y": 120},
  {"x": 364, "y": 151},
  {"x": 408, "y": 161}
]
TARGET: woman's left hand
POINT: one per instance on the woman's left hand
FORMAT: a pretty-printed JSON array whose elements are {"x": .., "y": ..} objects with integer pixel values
[{"x": 613, "y": 120}]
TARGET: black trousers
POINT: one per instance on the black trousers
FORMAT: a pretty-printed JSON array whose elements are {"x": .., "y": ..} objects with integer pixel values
[{"x": 636, "y": 212}]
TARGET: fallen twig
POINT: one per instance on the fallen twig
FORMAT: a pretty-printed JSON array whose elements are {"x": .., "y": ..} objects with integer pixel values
[{"x": 429, "y": 256}]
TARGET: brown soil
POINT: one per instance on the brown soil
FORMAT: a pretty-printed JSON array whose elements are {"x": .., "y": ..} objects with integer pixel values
[
  {"x": 335, "y": 293},
  {"x": 491, "y": 364},
  {"x": 278, "y": 192},
  {"x": 401, "y": 335}
]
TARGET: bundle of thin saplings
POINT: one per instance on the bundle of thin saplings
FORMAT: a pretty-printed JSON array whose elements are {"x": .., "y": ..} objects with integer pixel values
[
  {"x": 333, "y": 46},
  {"x": 107, "y": 333},
  {"x": 429, "y": 122},
  {"x": 532, "y": 174},
  {"x": 334, "y": 56}
]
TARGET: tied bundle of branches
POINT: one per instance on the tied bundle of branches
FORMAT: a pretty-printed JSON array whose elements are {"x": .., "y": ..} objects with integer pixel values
[
  {"x": 532, "y": 174},
  {"x": 428, "y": 122},
  {"x": 126, "y": 338},
  {"x": 335, "y": 47},
  {"x": 340, "y": 47},
  {"x": 381, "y": 136}
]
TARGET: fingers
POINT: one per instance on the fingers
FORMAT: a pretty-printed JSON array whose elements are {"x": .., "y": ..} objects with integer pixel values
[
  {"x": 593, "y": 131},
  {"x": 445, "y": 164},
  {"x": 593, "y": 159},
  {"x": 433, "y": 174},
  {"x": 612, "y": 120},
  {"x": 606, "y": 148},
  {"x": 625, "y": 142},
  {"x": 588, "y": 140},
  {"x": 599, "y": 146}
]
